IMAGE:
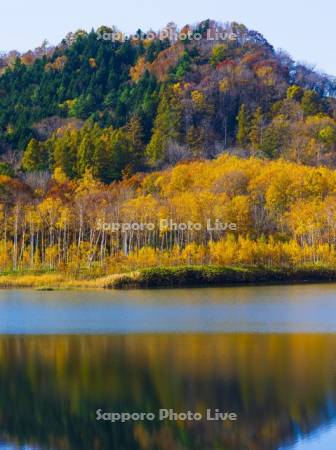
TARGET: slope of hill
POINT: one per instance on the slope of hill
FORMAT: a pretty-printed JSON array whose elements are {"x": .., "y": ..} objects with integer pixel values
[{"x": 118, "y": 106}]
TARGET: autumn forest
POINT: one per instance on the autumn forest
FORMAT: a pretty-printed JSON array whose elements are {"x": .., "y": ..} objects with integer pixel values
[{"x": 95, "y": 132}]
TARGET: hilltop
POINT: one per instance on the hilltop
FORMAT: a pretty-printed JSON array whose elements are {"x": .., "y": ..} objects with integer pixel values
[{"x": 117, "y": 105}]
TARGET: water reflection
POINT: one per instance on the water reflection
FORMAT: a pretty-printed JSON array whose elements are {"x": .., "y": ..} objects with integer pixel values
[{"x": 281, "y": 386}]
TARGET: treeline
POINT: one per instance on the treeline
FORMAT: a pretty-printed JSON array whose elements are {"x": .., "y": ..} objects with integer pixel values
[
  {"x": 284, "y": 215},
  {"x": 146, "y": 103},
  {"x": 108, "y": 153},
  {"x": 297, "y": 132}
]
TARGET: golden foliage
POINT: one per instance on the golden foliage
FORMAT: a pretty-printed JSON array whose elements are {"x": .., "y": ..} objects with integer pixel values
[{"x": 284, "y": 215}]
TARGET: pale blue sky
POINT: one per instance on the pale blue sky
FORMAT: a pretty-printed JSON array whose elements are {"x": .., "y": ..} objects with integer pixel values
[{"x": 305, "y": 28}]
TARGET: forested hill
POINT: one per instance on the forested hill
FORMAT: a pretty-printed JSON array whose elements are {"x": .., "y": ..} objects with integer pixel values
[{"x": 116, "y": 106}]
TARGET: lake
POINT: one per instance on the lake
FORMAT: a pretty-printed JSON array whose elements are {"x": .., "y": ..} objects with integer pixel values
[{"x": 266, "y": 354}]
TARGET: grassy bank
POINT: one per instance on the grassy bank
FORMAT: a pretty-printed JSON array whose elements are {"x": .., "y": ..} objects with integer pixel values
[
  {"x": 53, "y": 281},
  {"x": 185, "y": 276},
  {"x": 219, "y": 276}
]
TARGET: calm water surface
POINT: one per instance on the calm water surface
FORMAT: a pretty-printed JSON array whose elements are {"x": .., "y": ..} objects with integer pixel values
[
  {"x": 265, "y": 353},
  {"x": 249, "y": 309}
]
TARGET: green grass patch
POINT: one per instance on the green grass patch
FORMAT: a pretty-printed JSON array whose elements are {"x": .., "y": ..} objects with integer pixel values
[{"x": 187, "y": 276}]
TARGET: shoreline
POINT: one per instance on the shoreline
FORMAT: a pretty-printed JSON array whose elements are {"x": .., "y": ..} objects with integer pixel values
[{"x": 172, "y": 277}]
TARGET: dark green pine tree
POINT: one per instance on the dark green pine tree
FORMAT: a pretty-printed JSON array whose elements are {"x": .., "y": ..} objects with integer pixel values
[
  {"x": 101, "y": 168},
  {"x": 256, "y": 131},
  {"x": 166, "y": 128},
  {"x": 35, "y": 158},
  {"x": 85, "y": 154},
  {"x": 65, "y": 154},
  {"x": 243, "y": 129},
  {"x": 135, "y": 134}
]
